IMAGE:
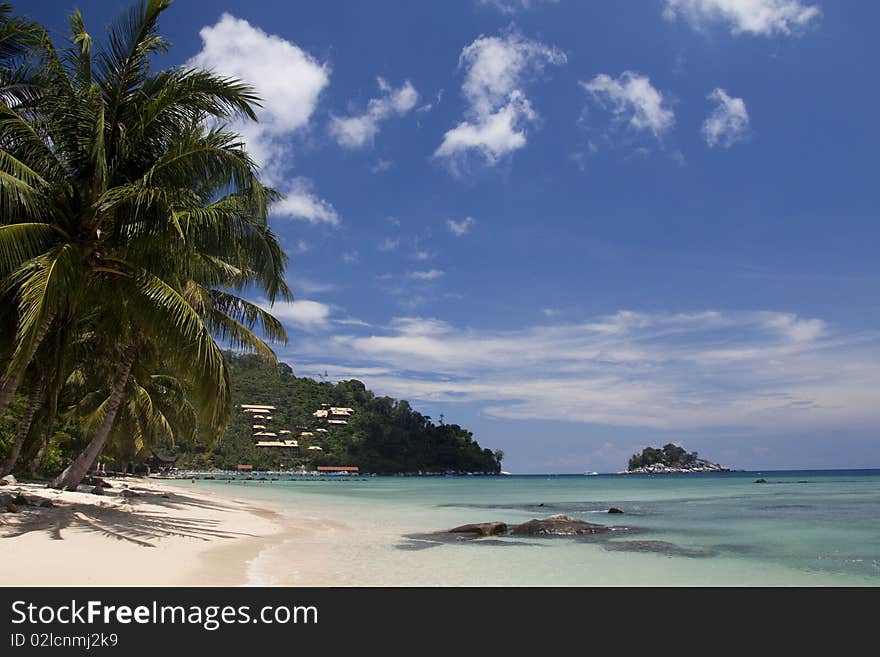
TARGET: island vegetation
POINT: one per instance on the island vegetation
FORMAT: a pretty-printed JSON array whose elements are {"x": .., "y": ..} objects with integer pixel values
[
  {"x": 669, "y": 458},
  {"x": 383, "y": 435}
]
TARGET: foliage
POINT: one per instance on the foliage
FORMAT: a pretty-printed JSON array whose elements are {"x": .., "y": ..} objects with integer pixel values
[
  {"x": 384, "y": 435},
  {"x": 130, "y": 218},
  {"x": 669, "y": 455}
]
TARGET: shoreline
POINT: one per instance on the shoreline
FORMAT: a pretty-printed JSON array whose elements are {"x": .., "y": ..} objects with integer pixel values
[{"x": 138, "y": 533}]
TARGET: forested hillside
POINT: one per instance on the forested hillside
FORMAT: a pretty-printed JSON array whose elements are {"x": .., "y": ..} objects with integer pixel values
[{"x": 384, "y": 435}]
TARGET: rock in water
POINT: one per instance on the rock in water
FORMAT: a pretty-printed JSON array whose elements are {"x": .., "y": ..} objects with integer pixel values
[
  {"x": 614, "y": 509},
  {"x": 11, "y": 508},
  {"x": 559, "y": 525},
  {"x": 760, "y": 481},
  {"x": 8, "y": 480},
  {"x": 482, "y": 528},
  {"x": 660, "y": 547},
  {"x": 47, "y": 504}
]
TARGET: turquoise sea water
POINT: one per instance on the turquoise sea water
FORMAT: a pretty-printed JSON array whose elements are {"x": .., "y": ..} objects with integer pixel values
[{"x": 799, "y": 528}]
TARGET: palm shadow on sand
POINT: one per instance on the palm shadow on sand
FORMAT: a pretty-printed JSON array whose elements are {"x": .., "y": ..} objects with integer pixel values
[{"x": 123, "y": 523}]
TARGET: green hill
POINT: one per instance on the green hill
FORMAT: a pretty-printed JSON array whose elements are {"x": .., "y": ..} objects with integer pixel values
[{"x": 384, "y": 435}]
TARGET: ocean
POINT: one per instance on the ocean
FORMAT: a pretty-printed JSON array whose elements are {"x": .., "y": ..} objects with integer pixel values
[{"x": 803, "y": 528}]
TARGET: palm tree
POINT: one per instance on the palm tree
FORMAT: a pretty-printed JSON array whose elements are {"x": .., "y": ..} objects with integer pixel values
[{"x": 128, "y": 208}]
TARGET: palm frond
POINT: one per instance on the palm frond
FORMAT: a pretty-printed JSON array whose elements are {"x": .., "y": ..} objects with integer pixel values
[{"x": 22, "y": 242}]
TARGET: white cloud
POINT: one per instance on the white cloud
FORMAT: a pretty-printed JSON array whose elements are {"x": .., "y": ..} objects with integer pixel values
[
  {"x": 350, "y": 257},
  {"x": 728, "y": 123},
  {"x": 301, "y": 247},
  {"x": 309, "y": 315},
  {"x": 288, "y": 80},
  {"x": 360, "y": 130},
  {"x": 755, "y": 17},
  {"x": 632, "y": 97},
  {"x": 761, "y": 369},
  {"x": 422, "y": 255},
  {"x": 300, "y": 202},
  {"x": 309, "y": 286},
  {"x": 513, "y": 6},
  {"x": 497, "y": 70},
  {"x": 381, "y": 166},
  {"x": 459, "y": 228},
  {"x": 389, "y": 244},
  {"x": 429, "y": 275}
]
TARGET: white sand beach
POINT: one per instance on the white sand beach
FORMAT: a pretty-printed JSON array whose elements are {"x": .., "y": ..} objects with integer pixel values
[{"x": 156, "y": 534}]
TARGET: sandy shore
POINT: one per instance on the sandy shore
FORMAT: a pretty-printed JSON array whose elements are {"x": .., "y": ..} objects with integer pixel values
[{"x": 155, "y": 534}]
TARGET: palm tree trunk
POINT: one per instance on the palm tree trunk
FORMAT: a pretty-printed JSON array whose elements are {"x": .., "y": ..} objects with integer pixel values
[
  {"x": 76, "y": 471},
  {"x": 37, "y": 461},
  {"x": 24, "y": 428},
  {"x": 13, "y": 379}
]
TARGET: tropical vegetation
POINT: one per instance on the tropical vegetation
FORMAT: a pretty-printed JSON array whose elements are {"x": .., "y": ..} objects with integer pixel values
[
  {"x": 383, "y": 435},
  {"x": 132, "y": 222},
  {"x": 670, "y": 455}
]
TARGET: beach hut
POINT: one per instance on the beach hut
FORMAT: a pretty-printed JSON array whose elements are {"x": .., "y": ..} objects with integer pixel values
[{"x": 158, "y": 462}]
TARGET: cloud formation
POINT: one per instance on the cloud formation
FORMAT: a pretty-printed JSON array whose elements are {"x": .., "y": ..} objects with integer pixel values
[
  {"x": 497, "y": 71},
  {"x": 289, "y": 83},
  {"x": 757, "y": 369},
  {"x": 360, "y": 130},
  {"x": 728, "y": 122},
  {"x": 755, "y": 17},
  {"x": 632, "y": 98},
  {"x": 428, "y": 275},
  {"x": 300, "y": 202},
  {"x": 459, "y": 228},
  {"x": 509, "y": 7},
  {"x": 303, "y": 314}
]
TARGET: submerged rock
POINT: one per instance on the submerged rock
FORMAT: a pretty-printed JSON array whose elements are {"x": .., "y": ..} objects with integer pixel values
[
  {"x": 482, "y": 528},
  {"x": 559, "y": 525},
  {"x": 661, "y": 547},
  {"x": 760, "y": 481}
]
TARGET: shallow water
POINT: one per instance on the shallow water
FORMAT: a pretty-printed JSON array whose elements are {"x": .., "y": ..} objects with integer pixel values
[{"x": 799, "y": 528}]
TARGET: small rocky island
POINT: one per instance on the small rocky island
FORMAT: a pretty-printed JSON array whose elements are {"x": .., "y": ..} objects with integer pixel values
[{"x": 669, "y": 459}]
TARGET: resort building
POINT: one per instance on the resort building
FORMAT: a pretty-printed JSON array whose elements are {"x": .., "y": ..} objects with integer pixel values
[
  {"x": 288, "y": 444},
  {"x": 333, "y": 414},
  {"x": 341, "y": 469},
  {"x": 256, "y": 408}
]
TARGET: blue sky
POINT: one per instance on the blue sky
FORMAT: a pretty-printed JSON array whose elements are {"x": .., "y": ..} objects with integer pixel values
[{"x": 575, "y": 228}]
